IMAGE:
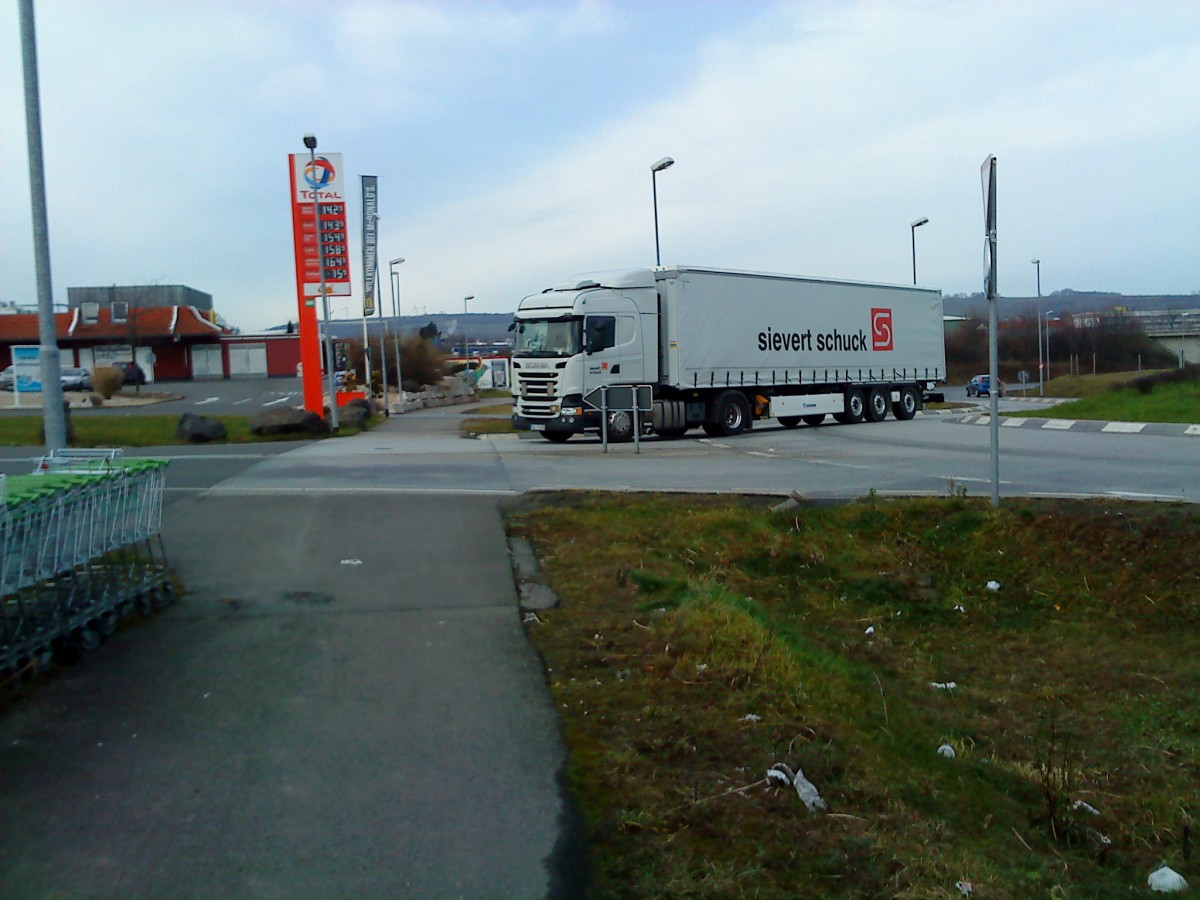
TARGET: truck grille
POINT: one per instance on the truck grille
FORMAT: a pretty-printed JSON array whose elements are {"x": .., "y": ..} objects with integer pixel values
[{"x": 538, "y": 392}]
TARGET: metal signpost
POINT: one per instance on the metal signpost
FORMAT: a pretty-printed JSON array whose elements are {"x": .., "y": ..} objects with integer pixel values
[
  {"x": 988, "y": 173},
  {"x": 322, "y": 259},
  {"x": 631, "y": 398}
]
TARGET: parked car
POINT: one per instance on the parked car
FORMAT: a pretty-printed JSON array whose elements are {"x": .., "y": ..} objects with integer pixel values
[
  {"x": 981, "y": 386},
  {"x": 133, "y": 372},
  {"x": 6, "y": 378},
  {"x": 76, "y": 379}
]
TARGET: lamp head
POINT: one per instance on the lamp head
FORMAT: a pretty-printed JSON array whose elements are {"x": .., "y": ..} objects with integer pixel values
[
  {"x": 396, "y": 261},
  {"x": 924, "y": 220},
  {"x": 310, "y": 141},
  {"x": 468, "y": 297},
  {"x": 1036, "y": 262},
  {"x": 665, "y": 163}
]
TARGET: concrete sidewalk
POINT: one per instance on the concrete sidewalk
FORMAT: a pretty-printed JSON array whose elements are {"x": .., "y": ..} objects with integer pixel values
[{"x": 342, "y": 704}]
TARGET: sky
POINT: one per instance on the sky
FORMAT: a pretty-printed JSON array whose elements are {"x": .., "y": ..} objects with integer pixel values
[{"x": 513, "y": 142}]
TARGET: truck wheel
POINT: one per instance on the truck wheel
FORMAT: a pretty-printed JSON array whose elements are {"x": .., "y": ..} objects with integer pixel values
[
  {"x": 814, "y": 419},
  {"x": 877, "y": 404},
  {"x": 620, "y": 427},
  {"x": 855, "y": 408},
  {"x": 733, "y": 414},
  {"x": 908, "y": 404},
  {"x": 557, "y": 437},
  {"x": 789, "y": 421}
]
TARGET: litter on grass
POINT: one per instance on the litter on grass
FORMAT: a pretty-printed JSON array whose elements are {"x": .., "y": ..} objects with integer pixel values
[
  {"x": 946, "y": 750},
  {"x": 1166, "y": 881},
  {"x": 1086, "y": 807},
  {"x": 805, "y": 790},
  {"x": 870, "y": 630},
  {"x": 965, "y": 888},
  {"x": 943, "y": 685},
  {"x": 993, "y": 585}
]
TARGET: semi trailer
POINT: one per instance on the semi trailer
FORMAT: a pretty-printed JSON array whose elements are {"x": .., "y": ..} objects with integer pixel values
[{"x": 721, "y": 349}]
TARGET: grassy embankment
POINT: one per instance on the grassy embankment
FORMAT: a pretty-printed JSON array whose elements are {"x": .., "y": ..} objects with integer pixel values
[
  {"x": 495, "y": 418},
  {"x": 1166, "y": 395},
  {"x": 134, "y": 431},
  {"x": 701, "y": 641}
]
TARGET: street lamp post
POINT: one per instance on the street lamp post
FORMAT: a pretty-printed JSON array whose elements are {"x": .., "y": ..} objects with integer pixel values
[
  {"x": 665, "y": 163},
  {"x": 395, "y": 278},
  {"x": 310, "y": 141},
  {"x": 466, "y": 346},
  {"x": 913, "y": 228},
  {"x": 1043, "y": 363}
]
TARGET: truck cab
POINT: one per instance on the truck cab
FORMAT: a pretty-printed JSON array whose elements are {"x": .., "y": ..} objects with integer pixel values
[{"x": 592, "y": 331}]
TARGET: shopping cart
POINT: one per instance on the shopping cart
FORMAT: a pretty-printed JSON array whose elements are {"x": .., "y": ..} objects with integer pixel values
[{"x": 80, "y": 548}]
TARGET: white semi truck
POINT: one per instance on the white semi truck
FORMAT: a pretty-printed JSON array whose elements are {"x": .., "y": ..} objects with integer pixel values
[{"x": 720, "y": 349}]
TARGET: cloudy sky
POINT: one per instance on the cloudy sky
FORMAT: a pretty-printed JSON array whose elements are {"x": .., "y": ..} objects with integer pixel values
[{"x": 513, "y": 141}]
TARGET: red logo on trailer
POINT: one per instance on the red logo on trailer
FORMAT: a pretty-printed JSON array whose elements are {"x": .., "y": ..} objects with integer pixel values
[{"x": 881, "y": 329}]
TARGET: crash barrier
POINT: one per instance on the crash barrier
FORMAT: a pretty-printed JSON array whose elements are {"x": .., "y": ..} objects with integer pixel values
[{"x": 80, "y": 549}]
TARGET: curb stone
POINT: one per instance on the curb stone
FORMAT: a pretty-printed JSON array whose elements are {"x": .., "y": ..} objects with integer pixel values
[{"x": 534, "y": 594}]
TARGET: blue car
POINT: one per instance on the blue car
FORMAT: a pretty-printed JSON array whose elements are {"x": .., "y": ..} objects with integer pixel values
[{"x": 981, "y": 386}]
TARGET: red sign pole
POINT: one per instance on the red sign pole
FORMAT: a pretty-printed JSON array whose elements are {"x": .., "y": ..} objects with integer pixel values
[{"x": 304, "y": 234}]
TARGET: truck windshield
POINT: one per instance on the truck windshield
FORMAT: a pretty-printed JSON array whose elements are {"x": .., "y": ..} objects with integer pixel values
[{"x": 548, "y": 337}]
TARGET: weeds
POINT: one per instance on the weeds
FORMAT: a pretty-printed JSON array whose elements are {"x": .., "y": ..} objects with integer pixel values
[{"x": 701, "y": 641}]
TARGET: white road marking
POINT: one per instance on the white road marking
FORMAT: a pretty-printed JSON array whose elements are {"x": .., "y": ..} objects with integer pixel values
[
  {"x": 1137, "y": 495},
  {"x": 1124, "y": 427},
  {"x": 280, "y": 400},
  {"x": 207, "y": 400},
  {"x": 1192, "y": 429},
  {"x": 1058, "y": 424}
]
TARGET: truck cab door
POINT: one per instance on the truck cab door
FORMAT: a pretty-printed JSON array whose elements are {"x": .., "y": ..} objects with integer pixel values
[{"x": 612, "y": 350}]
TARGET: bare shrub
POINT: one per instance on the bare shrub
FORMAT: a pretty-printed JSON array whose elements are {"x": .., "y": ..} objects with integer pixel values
[{"x": 107, "y": 380}]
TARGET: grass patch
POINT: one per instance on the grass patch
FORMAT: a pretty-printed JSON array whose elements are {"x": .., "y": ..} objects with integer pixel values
[
  {"x": 700, "y": 641},
  {"x": 495, "y": 394},
  {"x": 486, "y": 425},
  {"x": 118, "y": 430},
  {"x": 1080, "y": 386},
  {"x": 492, "y": 409},
  {"x": 1158, "y": 400}
]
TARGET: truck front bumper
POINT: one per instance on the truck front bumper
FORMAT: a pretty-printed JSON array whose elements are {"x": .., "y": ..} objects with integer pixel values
[{"x": 570, "y": 421}]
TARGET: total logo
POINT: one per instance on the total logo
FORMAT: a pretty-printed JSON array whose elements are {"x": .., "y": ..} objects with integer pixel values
[{"x": 319, "y": 173}]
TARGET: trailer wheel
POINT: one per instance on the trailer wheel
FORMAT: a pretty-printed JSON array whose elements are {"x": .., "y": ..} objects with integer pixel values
[
  {"x": 877, "y": 404},
  {"x": 908, "y": 404},
  {"x": 814, "y": 419},
  {"x": 733, "y": 414},
  {"x": 620, "y": 427},
  {"x": 557, "y": 437},
  {"x": 789, "y": 421},
  {"x": 855, "y": 408}
]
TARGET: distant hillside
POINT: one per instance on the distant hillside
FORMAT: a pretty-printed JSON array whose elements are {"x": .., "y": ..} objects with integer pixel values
[
  {"x": 490, "y": 327},
  {"x": 1066, "y": 302}
]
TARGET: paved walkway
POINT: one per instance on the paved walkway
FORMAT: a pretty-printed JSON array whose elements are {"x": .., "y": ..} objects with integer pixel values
[{"x": 343, "y": 704}]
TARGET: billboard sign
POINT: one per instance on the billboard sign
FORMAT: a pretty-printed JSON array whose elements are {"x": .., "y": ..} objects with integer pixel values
[
  {"x": 319, "y": 217},
  {"x": 27, "y": 369},
  {"x": 370, "y": 223}
]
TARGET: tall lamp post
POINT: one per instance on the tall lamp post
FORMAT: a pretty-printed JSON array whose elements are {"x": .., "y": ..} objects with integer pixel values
[
  {"x": 466, "y": 347},
  {"x": 1043, "y": 363},
  {"x": 395, "y": 278},
  {"x": 310, "y": 141},
  {"x": 665, "y": 163},
  {"x": 913, "y": 228}
]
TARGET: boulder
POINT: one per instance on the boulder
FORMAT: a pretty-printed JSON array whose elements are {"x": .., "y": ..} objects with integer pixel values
[
  {"x": 353, "y": 415},
  {"x": 199, "y": 429},
  {"x": 287, "y": 421}
]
